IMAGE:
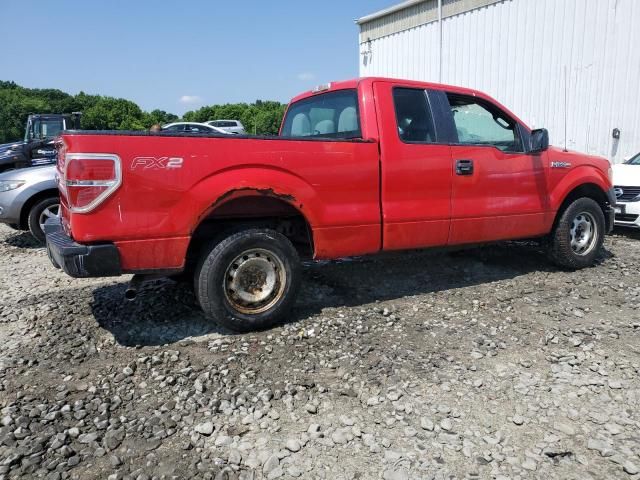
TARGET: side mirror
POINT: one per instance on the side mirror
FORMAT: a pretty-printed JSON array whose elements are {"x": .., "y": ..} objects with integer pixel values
[{"x": 539, "y": 140}]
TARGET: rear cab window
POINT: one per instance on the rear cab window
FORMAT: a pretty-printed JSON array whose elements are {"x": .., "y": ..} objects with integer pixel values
[{"x": 327, "y": 115}]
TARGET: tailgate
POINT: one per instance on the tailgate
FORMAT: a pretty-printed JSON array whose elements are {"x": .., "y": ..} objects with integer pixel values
[{"x": 85, "y": 181}]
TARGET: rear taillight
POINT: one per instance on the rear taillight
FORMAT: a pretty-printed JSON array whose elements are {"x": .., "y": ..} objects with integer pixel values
[{"x": 89, "y": 178}]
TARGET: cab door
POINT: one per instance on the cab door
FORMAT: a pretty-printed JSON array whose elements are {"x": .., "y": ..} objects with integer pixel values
[
  {"x": 415, "y": 169},
  {"x": 498, "y": 189}
]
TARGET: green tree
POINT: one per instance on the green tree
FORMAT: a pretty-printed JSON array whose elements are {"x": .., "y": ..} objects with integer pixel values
[
  {"x": 158, "y": 117},
  {"x": 113, "y": 114},
  {"x": 108, "y": 113},
  {"x": 260, "y": 117}
]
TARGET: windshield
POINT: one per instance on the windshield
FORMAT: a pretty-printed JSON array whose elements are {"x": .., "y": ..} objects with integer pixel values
[
  {"x": 634, "y": 160},
  {"x": 51, "y": 128},
  {"x": 44, "y": 128},
  {"x": 332, "y": 115}
]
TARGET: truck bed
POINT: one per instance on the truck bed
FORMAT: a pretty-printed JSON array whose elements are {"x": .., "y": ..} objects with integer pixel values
[{"x": 332, "y": 183}]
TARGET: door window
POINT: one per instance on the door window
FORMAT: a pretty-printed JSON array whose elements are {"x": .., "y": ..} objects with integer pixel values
[
  {"x": 413, "y": 116},
  {"x": 480, "y": 123},
  {"x": 198, "y": 129},
  {"x": 28, "y": 134}
]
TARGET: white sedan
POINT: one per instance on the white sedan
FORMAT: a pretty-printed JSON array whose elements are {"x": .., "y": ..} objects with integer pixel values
[
  {"x": 626, "y": 181},
  {"x": 192, "y": 127}
]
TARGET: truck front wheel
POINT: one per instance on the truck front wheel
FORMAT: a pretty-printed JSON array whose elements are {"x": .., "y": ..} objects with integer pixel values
[
  {"x": 249, "y": 280},
  {"x": 42, "y": 211},
  {"x": 578, "y": 235}
]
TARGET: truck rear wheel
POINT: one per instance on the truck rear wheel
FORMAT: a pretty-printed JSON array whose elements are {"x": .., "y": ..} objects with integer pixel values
[
  {"x": 40, "y": 213},
  {"x": 249, "y": 280},
  {"x": 578, "y": 235}
]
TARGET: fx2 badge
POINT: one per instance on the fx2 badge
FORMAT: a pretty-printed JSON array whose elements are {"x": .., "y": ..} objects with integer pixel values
[{"x": 156, "y": 163}]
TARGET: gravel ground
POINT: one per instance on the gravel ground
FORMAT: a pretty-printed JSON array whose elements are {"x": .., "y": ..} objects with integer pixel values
[{"x": 486, "y": 363}]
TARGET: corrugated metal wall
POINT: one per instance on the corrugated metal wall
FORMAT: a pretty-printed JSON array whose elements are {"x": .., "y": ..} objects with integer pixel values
[
  {"x": 412, "y": 13},
  {"x": 523, "y": 52}
]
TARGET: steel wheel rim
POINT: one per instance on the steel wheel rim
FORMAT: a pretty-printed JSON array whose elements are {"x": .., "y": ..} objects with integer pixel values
[
  {"x": 52, "y": 211},
  {"x": 583, "y": 233},
  {"x": 254, "y": 281}
]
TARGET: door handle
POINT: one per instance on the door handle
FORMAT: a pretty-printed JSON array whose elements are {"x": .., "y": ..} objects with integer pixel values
[{"x": 464, "y": 167}]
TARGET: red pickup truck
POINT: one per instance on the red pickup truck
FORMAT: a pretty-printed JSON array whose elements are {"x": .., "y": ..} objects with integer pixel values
[{"x": 359, "y": 167}]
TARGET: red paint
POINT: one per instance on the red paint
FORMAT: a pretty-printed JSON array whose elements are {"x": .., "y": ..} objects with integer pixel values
[
  {"x": 358, "y": 197},
  {"x": 148, "y": 254}
]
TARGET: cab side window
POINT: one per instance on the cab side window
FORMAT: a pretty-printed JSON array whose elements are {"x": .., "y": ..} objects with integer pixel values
[
  {"x": 480, "y": 123},
  {"x": 413, "y": 116}
]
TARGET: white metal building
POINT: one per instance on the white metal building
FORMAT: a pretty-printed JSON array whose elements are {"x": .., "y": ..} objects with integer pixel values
[{"x": 557, "y": 64}]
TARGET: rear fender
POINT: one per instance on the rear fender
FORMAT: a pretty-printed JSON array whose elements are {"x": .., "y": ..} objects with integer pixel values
[{"x": 224, "y": 186}]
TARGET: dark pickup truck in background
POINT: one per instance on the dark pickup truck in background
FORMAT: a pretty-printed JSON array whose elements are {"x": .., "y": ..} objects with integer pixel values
[{"x": 37, "y": 147}]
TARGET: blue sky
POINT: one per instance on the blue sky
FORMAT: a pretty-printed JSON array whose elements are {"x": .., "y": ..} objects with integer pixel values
[{"x": 180, "y": 55}]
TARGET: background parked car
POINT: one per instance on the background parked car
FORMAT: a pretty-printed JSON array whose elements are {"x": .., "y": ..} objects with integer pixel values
[
  {"x": 626, "y": 181},
  {"x": 192, "y": 127},
  {"x": 231, "y": 126},
  {"x": 28, "y": 197}
]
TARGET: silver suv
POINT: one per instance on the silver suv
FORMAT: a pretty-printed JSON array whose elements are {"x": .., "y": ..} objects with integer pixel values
[
  {"x": 231, "y": 126},
  {"x": 28, "y": 197}
]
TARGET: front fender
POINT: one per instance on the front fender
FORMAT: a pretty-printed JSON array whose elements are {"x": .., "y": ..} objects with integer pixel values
[
  {"x": 15, "y": 209},
  {"x": 577, "y": 176}
]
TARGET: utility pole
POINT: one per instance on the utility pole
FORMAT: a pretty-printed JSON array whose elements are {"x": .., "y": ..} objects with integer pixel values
[{"x": 440, "y": 41}]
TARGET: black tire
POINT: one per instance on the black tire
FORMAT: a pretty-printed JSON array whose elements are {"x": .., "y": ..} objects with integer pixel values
[
  {"x": 34, "y": 216},
  {"x": 560, "y": 248},
  {"x": 254, "y": 256}
]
